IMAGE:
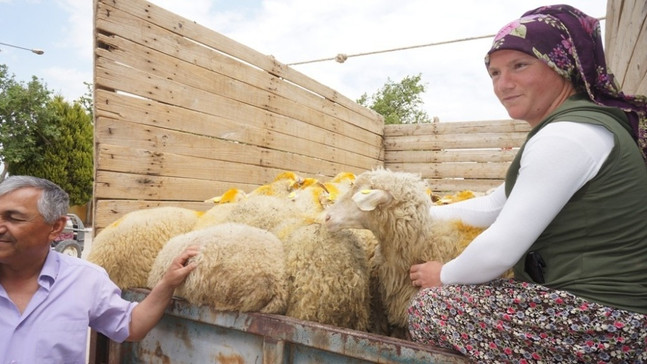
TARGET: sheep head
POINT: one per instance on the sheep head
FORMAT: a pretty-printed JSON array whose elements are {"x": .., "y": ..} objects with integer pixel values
[
  {"x": 377, "y": 199},
  {"x": 351, "y": 212}
]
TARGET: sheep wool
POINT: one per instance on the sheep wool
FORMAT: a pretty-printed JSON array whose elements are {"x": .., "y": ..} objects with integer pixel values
[
  {"x": 240, "y": 268},
  {"x": 394, "y": 206},
  {"x": 217, "y": 214},
  {"x": 328, "y": 277},
  {"x": 127, "y": 248},
  {"x": 261, "y": 211}
]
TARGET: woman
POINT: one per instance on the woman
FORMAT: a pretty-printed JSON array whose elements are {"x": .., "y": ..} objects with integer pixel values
[{"x": 570, "y": 219}]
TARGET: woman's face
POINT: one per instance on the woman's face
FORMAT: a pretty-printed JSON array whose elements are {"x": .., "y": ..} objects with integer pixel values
[{"x": 526, "y": 86}]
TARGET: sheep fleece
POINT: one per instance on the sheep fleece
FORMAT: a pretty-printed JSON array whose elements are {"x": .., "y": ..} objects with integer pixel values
[
  {"x": 127, "y": 248},
  {"x": 240, "y": 268}
]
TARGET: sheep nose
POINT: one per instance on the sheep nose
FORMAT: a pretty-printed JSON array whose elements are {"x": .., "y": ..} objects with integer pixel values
[{"x": 327, "y": 218}]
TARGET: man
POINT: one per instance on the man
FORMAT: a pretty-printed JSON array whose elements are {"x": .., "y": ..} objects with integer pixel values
[{"x": 47, "y": 299}]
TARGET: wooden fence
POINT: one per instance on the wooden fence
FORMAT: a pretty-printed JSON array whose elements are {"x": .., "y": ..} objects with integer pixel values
[
  {"x": 626, "y": 44},
  {"x": 183, "y": 113},
  {"x": 455, "y": 156}
]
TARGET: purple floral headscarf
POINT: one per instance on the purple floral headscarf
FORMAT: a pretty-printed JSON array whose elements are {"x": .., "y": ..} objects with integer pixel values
[{"x": 569, "y": 42}]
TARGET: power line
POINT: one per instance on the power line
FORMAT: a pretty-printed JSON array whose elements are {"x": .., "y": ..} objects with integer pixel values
[{"x": 341, "y": 57}]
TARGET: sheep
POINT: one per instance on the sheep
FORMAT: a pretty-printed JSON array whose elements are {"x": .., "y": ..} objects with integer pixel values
[
  {"x": 264, "y": 207},
  {"x": 240, "y": 268},
  {"x": 223, "y": 206},
  {"x": 312, "y": 200},
  {"x": 261, "y": 211},
  {"x": 459, "y": 196},
  {"x": 127, "y": 248},
  {"x": 328, "y": 275},
  {"x": 281, "y": 186},
  {"x": 394, "y": 206},
  {"x": 231, "y": 195}
]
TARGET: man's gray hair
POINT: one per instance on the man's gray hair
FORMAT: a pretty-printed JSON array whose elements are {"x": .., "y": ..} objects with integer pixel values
[{"x": 53, "y": 203}]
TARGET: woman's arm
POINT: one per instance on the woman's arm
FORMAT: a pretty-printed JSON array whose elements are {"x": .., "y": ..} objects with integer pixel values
[
  {"x": 556, "y": 163},
  {"x": 479, "y": 211}
]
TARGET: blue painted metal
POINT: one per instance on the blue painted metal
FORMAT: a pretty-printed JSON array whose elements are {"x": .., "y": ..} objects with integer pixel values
[{"x": 192, "y": 334}]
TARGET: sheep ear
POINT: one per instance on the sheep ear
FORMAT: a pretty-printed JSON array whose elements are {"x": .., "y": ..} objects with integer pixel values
[{"x": 368, "y": 200}]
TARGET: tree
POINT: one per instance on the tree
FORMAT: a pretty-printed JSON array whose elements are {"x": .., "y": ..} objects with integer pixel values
[
  {"x": 46, "y": 136},
  {"x": 398, "y": 103},
  {"x": 87, "y": 99},
  {"x": 23, "y": 108}
]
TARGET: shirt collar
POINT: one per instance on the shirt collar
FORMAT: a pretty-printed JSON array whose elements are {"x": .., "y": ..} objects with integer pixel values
[{"x": 50, "y": 270}]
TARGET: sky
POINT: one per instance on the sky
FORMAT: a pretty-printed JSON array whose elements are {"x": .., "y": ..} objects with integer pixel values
[{"x": 457, "y": 85}]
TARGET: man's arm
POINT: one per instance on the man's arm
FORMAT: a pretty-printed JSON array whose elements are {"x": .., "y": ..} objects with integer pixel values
[{"x": 150, "y": 310}]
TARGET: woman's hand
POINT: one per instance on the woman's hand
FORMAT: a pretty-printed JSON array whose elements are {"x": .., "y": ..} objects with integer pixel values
[{"x": 426, "y": 275}]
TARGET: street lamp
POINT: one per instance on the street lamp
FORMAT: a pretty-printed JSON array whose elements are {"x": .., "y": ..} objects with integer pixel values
[{"x": 37, "y": 51}]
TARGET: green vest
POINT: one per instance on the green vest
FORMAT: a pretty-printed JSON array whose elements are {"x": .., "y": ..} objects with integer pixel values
[{"x": 596, "y": 247}]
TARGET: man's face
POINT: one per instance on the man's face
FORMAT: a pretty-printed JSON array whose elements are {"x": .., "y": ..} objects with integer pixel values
[{"x": 24, "y": 235}]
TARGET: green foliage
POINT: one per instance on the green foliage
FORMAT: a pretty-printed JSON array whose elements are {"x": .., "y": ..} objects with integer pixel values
[
  {"x": 45, "y": 136},
  {"x": 23, "y": 109},
  {"x": 398, "y": 103},
  {"x": 87, "y": 99}
]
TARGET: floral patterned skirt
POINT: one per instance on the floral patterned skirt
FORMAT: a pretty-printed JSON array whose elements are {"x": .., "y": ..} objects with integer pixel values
[{"x": 517, "y": 322}]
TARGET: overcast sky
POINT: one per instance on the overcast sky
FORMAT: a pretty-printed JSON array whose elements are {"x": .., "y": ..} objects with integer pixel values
[{"x": 458, "y": 87}]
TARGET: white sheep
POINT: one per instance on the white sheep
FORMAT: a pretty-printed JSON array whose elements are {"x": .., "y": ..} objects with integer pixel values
[
  {"x": 240, "y": 268},
  {"x": 127, "y": 248},
  {"x": 223, "y": 205},
  {"x": 395, "y": 207},
  {"x": 261, "y": 211},
  {"x": 328, "y": 275}
]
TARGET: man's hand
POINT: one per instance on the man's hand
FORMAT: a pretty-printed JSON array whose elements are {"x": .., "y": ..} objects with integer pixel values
[
  {"x": 426, "y": 275},
  {"x": 179, "y": 268},
  {"x": 150, "y": 310}
]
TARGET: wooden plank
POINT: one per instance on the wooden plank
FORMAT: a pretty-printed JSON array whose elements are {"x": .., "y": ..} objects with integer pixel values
[
  {"x": 127, "y": 159},
  {"x": 625, "y": 44},
  {"x": 642, "y": 88},
  {"x": 194, "y": 64},
  {"x": 443, "y": 156},
  {"x": 112, "y": 75},
  {"x": 631, "y": 20},
  {"x": 611, "y": 31},
  {"x": 450, "y": 186},
  {"x": 271, "y": 131},
  {"x": 454, "y": 170},
  {"x": 322, "y": 159},
  {"x": 115, "y": 185},
  {"x": 636, "y": 75},
  {"x": 204, "y": 36},
  {"x": 460, "y": 127},
  {"x": 111, "y": 210},
  {"x": 234, "y": 91},
  {"x": 454, "y": 141}
]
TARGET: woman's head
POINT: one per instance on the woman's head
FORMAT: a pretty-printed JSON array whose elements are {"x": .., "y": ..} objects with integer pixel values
[
  {"x": 528, "y": 88},
  {"x": 548, "y": 39},
  {"x": 569, "y": 42}
]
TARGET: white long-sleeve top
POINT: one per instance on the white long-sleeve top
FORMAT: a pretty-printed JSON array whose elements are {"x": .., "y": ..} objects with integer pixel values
[{"x": 556, "y": 163}]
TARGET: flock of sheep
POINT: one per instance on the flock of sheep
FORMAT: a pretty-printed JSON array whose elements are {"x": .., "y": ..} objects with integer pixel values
[{"x": 335, "y": 252}]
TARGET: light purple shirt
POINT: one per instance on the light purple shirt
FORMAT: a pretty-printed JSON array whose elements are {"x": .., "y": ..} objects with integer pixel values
[{"x": 72, "y": 295}]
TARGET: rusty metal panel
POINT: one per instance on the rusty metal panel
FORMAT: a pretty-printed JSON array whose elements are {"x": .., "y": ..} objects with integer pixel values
[{"x": 191, "y": 334}]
